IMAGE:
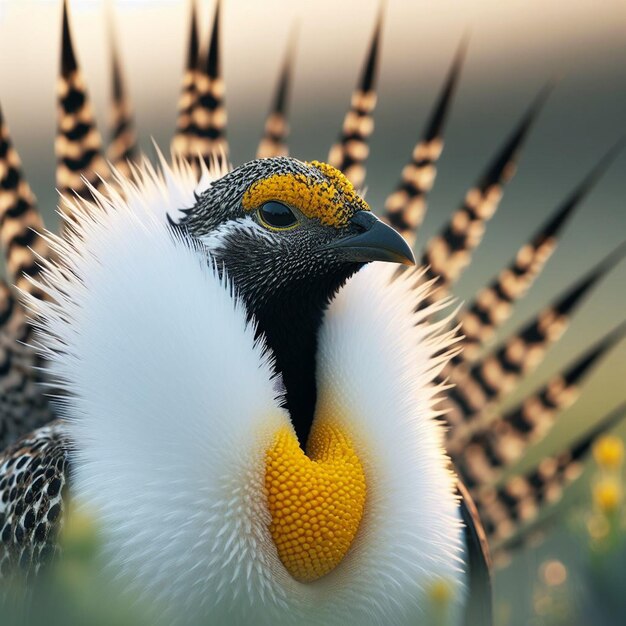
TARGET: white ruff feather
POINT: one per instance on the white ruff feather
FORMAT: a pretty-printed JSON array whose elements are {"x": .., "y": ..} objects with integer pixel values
[{"x": 173, "y": 407}]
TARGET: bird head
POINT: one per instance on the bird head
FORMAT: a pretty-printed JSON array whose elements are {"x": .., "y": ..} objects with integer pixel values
[{"x": 282, "y": 228}]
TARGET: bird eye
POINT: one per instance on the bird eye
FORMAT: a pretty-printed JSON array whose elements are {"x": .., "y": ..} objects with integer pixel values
[{"x": 277, "y": 215}]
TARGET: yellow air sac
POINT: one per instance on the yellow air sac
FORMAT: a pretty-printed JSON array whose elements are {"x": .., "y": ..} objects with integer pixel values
[{"x": 316, "y": 501}]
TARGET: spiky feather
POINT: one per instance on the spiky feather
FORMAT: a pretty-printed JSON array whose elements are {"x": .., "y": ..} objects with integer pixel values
[
  {"x": 123, "y": 136},
  {"x": 449, "y": 253},
  {"x": 494, "y": 304},
  {"x": 181, "y": 142},
  {"x": 504, "y": 367},
  {"x": 208, "y": 117},
  {"x": 23, "y": 403},
  {"x": 518, "y": 502},
  {"x": 78, "y": 145},
  {"x": 405, "y": 208},
  {"x": 350, "y": 152},
  {"x": 20, "y": 220},
  {"x": 503, "y": 441},
  {"x": 274, "y": 140}
]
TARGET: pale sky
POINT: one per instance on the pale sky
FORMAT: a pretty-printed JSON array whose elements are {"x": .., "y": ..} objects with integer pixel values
[{"x": 512, "y": 38}]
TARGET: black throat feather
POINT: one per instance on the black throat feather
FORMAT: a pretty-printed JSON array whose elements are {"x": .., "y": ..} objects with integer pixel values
[{"x": 290, "y": 321}]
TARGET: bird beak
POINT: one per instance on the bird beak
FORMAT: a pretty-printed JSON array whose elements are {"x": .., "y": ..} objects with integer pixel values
[{"x": 375, "y": 242}]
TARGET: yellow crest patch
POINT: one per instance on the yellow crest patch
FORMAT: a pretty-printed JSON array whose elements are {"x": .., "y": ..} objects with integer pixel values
[{"x": 333, "y": 201}]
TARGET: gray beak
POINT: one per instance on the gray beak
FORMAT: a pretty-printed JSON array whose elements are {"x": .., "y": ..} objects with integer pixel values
[{"x": 375, "y": 242}]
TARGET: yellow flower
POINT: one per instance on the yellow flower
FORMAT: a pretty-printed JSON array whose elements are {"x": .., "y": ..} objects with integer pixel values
[
  {"x": 79, "y": 535},
  {"x": 553, "y": 572},
  {"x": 598, "y": 527},
  {"x": 440, "y": 592},
  {"x": 609, "y": 452},
  {"x": 78, "y": 524},
  {"x": 607, "y": 495}
]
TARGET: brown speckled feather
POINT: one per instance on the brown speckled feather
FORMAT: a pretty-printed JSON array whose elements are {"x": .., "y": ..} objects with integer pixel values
[
  {"x": 78, "y": 143},
  {"x": 33, "y": 482},
  {"x": 274, "y": 140},
  {"x": 207, "y": 130},
  {"x": 448, "y": 254},
  {"x": 23, "y": 404},
  {"x": 20, "y": 220},
  {"x": 350, "y": 152},
  {"x": 494, "y": 304},
  {"x": 501, "y": 371},
  {"x": 508, "y": 508},
  {"x": 181, "y": 142},
  {"x": 405, "y": 208},
  {"x": 123, "y": 138},
  {"x": 504, "y": 441}
]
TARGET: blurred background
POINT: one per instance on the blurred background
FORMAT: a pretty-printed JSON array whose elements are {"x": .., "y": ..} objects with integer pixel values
[{"x": 515, "y": 47}]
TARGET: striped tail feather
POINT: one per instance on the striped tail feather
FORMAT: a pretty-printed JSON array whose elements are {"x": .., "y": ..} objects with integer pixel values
[
  {"x": 78, "y": 143},
  {"x": 503, "y": 368},
  {"x": 23, "y": 404},
  {"x": 449, "y": 253},
  {"x": 181, "y": 142},
  {"x": 505, "y": 510},
  {"x": 20, "y": 220},
  {"x": 208, "y": 113},
  {"x": 350, "y": 152},
  {"x": 405, "y": 208},
  {"x": 496, "y": 447},
  {"x": 274, "y": 140},
  {"x": 494, "y": 304},
  {"x": 12, "y": 317},
  {"x": 123, "y": 137}
]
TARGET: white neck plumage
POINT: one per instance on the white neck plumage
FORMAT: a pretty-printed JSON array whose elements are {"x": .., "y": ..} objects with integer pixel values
[{"x": 173, "y": 410}]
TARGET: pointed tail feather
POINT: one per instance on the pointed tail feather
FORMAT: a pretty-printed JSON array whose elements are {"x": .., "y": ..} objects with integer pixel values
[
  {"x": 78, "y": 144},
  {"x": 405, "y": 208},
  {"x": 208, "y": 113},
  {"x": 519, "y": 502},
  {"x": 448, "y": 254},
  {"x": 23, "y": 404},
  {"x": 181, "y": 142},
  {"x": 494, "y": 304},
  {"x": 498, "y": 445},
  {"x": 350, "y": 152},
  {"x": 20, "y": 220},
  {"x": 12, "y": 316},
  {"x": 123, "y": 143},
  {"x": 274, "y": 140},
  {"x": 501, "y": 370}
]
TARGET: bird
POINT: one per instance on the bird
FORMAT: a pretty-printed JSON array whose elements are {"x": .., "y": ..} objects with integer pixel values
[{"x": 271, "y": 412}]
